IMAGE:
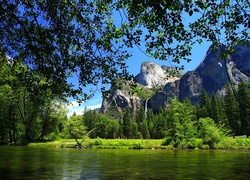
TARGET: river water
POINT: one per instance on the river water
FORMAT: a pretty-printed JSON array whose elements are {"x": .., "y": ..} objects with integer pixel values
[{"x": 94, "y": 164}]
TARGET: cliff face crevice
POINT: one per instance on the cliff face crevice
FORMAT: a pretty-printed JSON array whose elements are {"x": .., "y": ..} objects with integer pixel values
[{"x": 212, "y": 74}]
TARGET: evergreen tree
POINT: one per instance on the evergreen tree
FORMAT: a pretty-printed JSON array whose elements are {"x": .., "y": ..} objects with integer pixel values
[
  {"x": 222, "y": 113},
  {"x": 205, "y": 105},
  {"x": 143, "y": 128},
  {"x": 160, "y": 124},
  {"x": 150, "y": 120},
  {"x": 140, "y": 115},
  {"x": 244, "y": 107},
  {"x": 127, "y": 120},
  {"x": 215, "y": 109},
  {"x": 90, "y": 119},
  {"x": 232, "y": 110},
  {"x": 134, "y": 131}
]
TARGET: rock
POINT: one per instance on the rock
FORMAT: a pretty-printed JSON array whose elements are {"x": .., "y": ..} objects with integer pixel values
[
  {"x": 151, "y": 75},
  {"x": 212, "y": 74},
  {"x": 120, "y": 99},
  {"x": 162, "y": 97}
]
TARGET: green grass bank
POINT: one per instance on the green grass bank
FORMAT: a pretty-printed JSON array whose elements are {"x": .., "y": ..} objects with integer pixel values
[{"x": 238, "y": 143}]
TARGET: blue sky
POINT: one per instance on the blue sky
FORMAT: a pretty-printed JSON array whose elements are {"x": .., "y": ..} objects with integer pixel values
[{"x": 134, "y": 64}]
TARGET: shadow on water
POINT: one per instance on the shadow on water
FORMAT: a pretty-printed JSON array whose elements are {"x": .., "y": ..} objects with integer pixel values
[{"x": 56, "y": 163}]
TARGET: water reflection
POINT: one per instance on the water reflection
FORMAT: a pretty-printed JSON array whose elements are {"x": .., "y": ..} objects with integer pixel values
[{"x": 56, "y": 163}]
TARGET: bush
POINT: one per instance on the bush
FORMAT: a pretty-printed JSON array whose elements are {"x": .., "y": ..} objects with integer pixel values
[
  {"x": 205, "y": 146},
  {"x": 166, "y": 141},
  {"x": 211, "y": 134}
]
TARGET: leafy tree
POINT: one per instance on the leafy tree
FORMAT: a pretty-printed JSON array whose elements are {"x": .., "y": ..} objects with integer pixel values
[
  {"x": 52, "y": 115},
  {"x": 83, "y": 37},
  {"x": 106, "y": 127},
  {"x": 112, "y": 129},
  {"x": 59, "y": 38},
  {"x": 183, "y": 129},
  {"x": 209, "y": 132},
  {"x": 168, "y": 34},
  {"x": 75, "y": 127},
  {"x": 77, "y": 130}
]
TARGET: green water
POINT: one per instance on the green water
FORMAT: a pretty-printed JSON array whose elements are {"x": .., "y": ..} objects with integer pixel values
[{"x": 56, "y": 163}]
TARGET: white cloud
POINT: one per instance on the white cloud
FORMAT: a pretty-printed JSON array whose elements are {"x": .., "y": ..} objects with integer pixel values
[{"x": 74, "y": 107}]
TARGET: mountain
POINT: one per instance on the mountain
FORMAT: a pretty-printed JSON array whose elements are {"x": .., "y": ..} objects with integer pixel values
[
  {"x": 212, "y": 74},
  {"x": 151, "y": 75},
  {"x": 150, "y": 78}
]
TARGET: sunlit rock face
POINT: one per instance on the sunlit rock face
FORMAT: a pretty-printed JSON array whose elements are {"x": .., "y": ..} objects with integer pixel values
[
  {"x": 119, "y": 100},
  {"x": 151, "y": 75},
  {"x": 212, "y": 74}
]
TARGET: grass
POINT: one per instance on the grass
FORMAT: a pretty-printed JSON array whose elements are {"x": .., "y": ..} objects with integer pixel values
[
  {"x": 105, "y": 143},
  {"x": 238, "y": 143}
]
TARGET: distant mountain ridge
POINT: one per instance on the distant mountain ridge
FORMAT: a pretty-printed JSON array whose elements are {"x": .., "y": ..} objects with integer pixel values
[{"x": 212, "y": 74}]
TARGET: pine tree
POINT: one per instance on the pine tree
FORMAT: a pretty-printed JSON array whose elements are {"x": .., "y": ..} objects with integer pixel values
[
  {"x": 244, "y": 107},
  {"x": 140, "y": 115},
  {"x": 232, "y": 110},
  {"x": 150, "y": 120},
  {"x": 143, "y": 128},
  {"x": 214, "y": 109},
  {"x": 205, "y": 105},
  {"x": 127, "y": 120}
]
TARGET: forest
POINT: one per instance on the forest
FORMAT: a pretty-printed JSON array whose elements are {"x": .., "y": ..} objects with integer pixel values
[
  {"x": 42, "y": 46},
  {"x": 33, "y": 115}
]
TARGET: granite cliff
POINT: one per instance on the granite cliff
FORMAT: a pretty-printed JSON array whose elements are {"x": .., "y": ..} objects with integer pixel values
[
  {"x": 151, "y": 77},
  {"x": 212, "y": 74}
]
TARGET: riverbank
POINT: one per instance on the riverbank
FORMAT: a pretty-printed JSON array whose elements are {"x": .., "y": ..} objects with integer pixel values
[{"x": 238, "y": 143}]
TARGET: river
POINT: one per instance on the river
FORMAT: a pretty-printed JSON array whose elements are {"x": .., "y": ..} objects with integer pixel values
[{"x": 94, "y": 164}]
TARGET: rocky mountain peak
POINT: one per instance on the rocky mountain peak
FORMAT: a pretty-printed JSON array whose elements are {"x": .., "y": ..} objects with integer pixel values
[
  {"x": 152, "y": 75},
  {"x": 212, "y": 74}
]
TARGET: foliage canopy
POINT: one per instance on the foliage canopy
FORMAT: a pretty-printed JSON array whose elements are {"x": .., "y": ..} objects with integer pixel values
[{"x": 90, "y": 38}]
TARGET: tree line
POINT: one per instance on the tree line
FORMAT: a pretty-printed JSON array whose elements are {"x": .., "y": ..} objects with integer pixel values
[
  {"x": 180, "y": 121},
  {"x": 31, "y": 113},
  {"x": 28, "y": 111},
  {"x": 50, "y": 41}
]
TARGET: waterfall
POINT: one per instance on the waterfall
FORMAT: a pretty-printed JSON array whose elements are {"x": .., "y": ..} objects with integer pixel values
[{"x": 146, "y": 107}]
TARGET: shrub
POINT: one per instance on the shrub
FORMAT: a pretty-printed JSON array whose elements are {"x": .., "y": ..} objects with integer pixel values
[
  {"x": 209, "y": 132},
  {"x": 166, "y": 141}
]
